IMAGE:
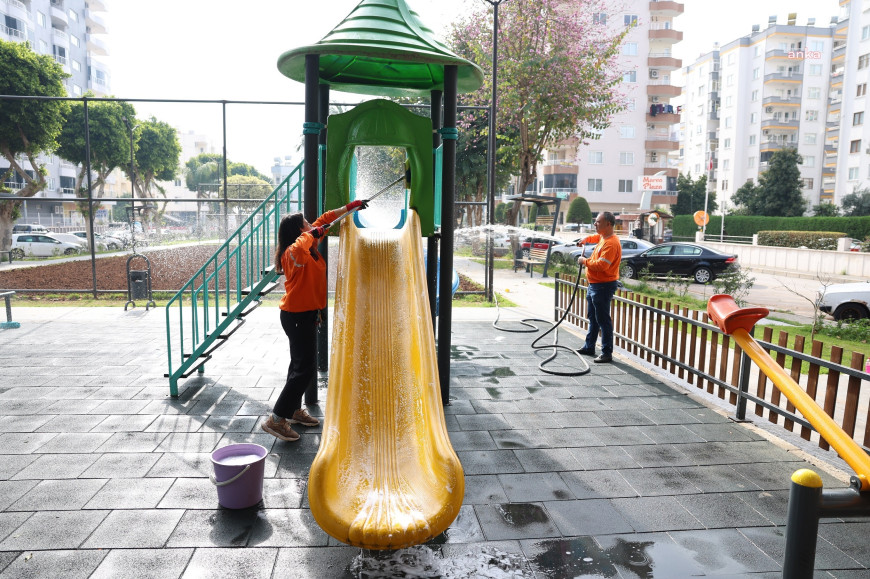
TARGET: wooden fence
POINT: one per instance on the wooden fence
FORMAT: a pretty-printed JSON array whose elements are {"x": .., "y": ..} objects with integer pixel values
[{"x": 685, "y": 344}]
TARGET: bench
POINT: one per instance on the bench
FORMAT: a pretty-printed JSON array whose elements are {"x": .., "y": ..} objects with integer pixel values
[
  {"x": 7, "y": 253},
  {"x": 536, "y": 257}
]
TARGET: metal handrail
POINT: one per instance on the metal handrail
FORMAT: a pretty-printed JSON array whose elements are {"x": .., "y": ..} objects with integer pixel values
[{"x": 244, "y": 258}]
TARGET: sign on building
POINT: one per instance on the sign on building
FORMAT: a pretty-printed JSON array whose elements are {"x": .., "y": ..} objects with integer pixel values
[{"x": 652, "y": 183}]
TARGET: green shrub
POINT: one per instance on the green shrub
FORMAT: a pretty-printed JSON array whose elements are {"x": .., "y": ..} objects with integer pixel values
[
  {"x": 854, "y": 330},
  {"x": 749, "y": 225},
  {"x": 808, "y": 239}
]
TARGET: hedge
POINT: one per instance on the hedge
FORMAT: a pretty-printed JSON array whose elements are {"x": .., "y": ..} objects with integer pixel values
[
  {"x": 808, "y": 239},
  {"x": 749, "y": 225}
]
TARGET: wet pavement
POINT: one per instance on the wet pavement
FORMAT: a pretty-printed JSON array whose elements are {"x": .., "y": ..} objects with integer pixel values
[{"x": 615, "y": 473}]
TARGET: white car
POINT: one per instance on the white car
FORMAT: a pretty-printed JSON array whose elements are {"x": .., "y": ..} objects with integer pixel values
[
  {"x": 102, "y": 243},
  {"x": 38, "y": 245},
  {"x": 846, "y": 301},
  {"x": 69, "y": 238}
]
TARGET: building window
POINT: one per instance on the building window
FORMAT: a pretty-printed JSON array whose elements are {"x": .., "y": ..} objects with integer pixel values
[
  {"x": 863, "y": 61},
  {"x": 626, "y": 158},
  {"x": 625, "y": 185},
  {"x": 814, "y": 92},
  {"x": 808, "y": 161},
  {"x": 599, "y": 18},
  {"x": 753, "y": 118},
  {"x": 630, "y": 20},
  {"x": 730, "y": 58},
  {"x": 756, "y": 72},
  {"x": 631, "y": 104},
  {"x": 626, "y": 132},
  {"x": 750, "y": 162},
  {"x": 43, "y": 47},
  {"x": 724, "y": 184},
  {"x": 72, "y": 15},
  {"x": 855, "y": 146},
  {"x": 751, "y": 139},
  {"x": 865, "y": 33},
  {"x": 77, "y": 66},
  {"x": 630, "y": 76},
  {"x": 853, "y": 173},
  {"x": 726, "y": 164},
  {"x": 815, "y": 70},
  {"x": 812, "y": 115},
  {"x": 40, "y": 19},
  {"x": 594, "y": 185},
  {"x": 755, "y": 95},
  {"x": 74, "y": 40},
  {"x": 810, "y": 138},
  {"x": 729, "y": 101},
  {"x": 629, "y": 49},
  {"x": 77, "y": 90},
  {"x": 728, "y": 122},
  {"x": 726, "y": 143},
  {"x": 596, "y": 157},
  {"x": 808, "y": 183},
  {"x": 862, "y": 89},
  {"x": 730, "y": 80},
  {"x": 757, "y": 51},
  {"x": 858, "y": 119}
]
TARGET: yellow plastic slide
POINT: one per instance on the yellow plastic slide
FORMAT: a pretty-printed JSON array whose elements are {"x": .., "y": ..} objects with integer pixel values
[{"x": 385, "y": 476}]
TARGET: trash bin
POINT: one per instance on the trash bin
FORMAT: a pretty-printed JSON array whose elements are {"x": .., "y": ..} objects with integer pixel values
[{"x": 138, "y": 284}]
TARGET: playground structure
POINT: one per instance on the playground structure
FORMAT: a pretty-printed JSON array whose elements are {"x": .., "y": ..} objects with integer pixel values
[{"x": 385, "y": 476}]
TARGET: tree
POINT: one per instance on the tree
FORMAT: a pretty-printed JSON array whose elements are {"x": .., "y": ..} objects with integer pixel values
[
  {"x": 472, "y": 168},
  {"x": 746, "y": 197},
  {"x": 826, "y": 210},
  {"x": 109, "y": 144},
  {"x": 691, "y": 196},
  {"x": 246, "y": 187},
  {"x": 579, "y": 211},
  {"x": 27, "y": 127},
  {"x": 558, "y": 76},
  {"x": 779, "y": 190},
  {"x": 156, "y": 159},
  {"x": 856, "y": 203},
  {"x": 499, "y": 212}
]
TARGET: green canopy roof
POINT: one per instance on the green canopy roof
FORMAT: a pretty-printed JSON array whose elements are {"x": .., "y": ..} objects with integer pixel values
[{"x": 382, "y": 48}]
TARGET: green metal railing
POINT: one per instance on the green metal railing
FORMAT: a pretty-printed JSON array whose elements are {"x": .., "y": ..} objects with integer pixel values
[{"x": 213, "y": 304}]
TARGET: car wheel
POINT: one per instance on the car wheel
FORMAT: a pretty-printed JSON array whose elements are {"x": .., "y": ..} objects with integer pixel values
[
  {"x": 703, "y": 275},
  {"x": 70, "y": 251},
  {"x": 17, "y": 253},
  {"x": 850, "y": 312},
  {"x": 630, "y": 272}
]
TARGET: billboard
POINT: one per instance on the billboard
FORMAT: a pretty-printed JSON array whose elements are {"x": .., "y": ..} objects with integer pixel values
[{"x": 652, "y": 183}]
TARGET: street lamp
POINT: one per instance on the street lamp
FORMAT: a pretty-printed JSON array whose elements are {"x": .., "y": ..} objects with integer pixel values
[
  {"x": 132, "y": 218},
  {"x": 490, "y": 207}
]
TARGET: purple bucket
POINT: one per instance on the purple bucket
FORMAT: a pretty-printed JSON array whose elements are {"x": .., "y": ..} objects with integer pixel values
[{"x": 238, "y": 474}]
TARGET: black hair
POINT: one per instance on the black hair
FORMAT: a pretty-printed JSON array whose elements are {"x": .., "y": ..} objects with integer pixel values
[{"x": 289, "y": 230}]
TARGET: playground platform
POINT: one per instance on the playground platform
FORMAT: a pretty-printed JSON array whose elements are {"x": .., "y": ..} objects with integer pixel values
[{"x": 617, "y": 473}]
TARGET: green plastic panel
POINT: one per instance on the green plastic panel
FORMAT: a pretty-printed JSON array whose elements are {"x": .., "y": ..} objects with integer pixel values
[{"x": 380, "y": 123}]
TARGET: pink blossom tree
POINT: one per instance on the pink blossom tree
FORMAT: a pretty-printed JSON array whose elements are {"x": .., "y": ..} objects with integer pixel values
[{"x": 557, "y": 75}]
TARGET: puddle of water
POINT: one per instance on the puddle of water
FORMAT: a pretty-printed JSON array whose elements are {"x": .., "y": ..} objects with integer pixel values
[
  {"x": 423, "y": 562},
  {"x": 500, "y": 372}
]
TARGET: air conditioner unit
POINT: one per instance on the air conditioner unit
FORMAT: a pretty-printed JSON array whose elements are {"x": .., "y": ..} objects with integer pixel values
[
  {"x": 653, "y": 156},
  {"x": 655, "y": 99},
  {"x": 766, "y": 132},
  {"x": 768, "y": 110},
  {"x": 653, "y": 74},
  {"x": 650, "y": 127}
]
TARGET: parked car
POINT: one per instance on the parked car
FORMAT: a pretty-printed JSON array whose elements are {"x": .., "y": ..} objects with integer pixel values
[
  {"x": 846, "y": 301},
  {"x": 36, "y": 245},
  {"x": 70, "y": 238},
  {"x": 569, "y": 252},
  {"x": 102, "y": 243},
  {"x": 537, "y": 242},
  {"x": 689, "y": 259},
  {"x": 29, "y": 228}
]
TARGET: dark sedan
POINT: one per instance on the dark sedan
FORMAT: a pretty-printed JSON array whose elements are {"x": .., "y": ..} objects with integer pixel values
[{"x": 688, "y": 259}]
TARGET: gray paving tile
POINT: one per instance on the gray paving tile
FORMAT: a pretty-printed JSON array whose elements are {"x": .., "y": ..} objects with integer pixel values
[
  {"x": 319, "y": 561},
  {"x": 11, "y": 491},
  {"x": 141, "y": 528},
  {"x": 188, "y": 464},
  {"x": 143, "y": 563},
  {"x": 651, "y": 482},
  {"x": 536, "y": 487},
  {"x": 23, "y": 423},
  {"x": 23, "y": 442},
  {"x": 125, "y": 406},
  {"x": 578, "y": 419},
  {"x": 79, "y": 442},
  {"x": 73, "y": 406},
  {"x": 484, "y": 489},
  {"x": 191, "y": 493},
  {"x": 464, "y": 529},
  {"x": 286, "y": 528},
  {"x": 231, "y": 563},
  {"x": 121, "y": 465},
  {"x": 722, "y": 432},
  {"x": 58, "y": 495},
  {"x": 520, "y": 439},
  {"x": 672, "y": 434},
  {"x": 623, "y": 418},
  {"x": 125, "y": 423},
  {"x": 472, "y": 440},
  {"x": 52, "y": 530},
  {"x": 489, "y": 461},
  {"x": 773, "y": 505},
  {"x": 133, "y": 442},
  {"x": 57, "y": 466},
  {"x": 214, "y": 528},
  {"x": 658, "y": 455},
  {"x": 190, "y": 442},
  {"x": 649, "y": 554},
  {"x": 6, "y": 559},
  {"x": 571, "y": 437},
  {"x": 515, "y": 521},
  {"x": 484, "y": 421},
  {"x": 176, "y": 423},
  {"x": 293, "y": 464},
  {"x": 599, "y": 484},
  {"x": 722, "y": 510},
  {"x": 850, "y": 538},
  {"x": 72, "y": 423},
  {"x": 603, "y": 458},
  {"x": 771, "y": 540},
  {"x": 229, "y": 424},
  {"x": 625, "y": 435},
  {"x": 11, "y": 521},
  {"x": 569, "y": 557},
  {"x": 648, "y": 514},
  {"x": 547, "y": 459},
  {"x": 725, "y": 552},
  {"x": 138, "y": 493},
  {"x": 713, "y": 479},
  {"x": 59, "y": 563}
]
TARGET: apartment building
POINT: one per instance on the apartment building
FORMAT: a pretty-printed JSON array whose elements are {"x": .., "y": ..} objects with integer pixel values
[
  {"x": 71, "y": 32},
  {"x": 847, "y": 140},
  {"x": 642, "y": 138},
  {"x": 754, "y": 96}
]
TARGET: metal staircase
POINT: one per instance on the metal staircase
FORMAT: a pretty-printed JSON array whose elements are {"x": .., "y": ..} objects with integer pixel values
[{"x": 214, "y": 303}]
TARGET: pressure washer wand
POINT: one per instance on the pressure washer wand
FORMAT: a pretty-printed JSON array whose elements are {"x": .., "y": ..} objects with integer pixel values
[{"x": 384, "y": 190}]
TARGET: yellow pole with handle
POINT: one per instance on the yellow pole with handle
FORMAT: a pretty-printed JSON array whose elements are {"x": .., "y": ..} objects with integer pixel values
[{"x": 737, "y": 322}]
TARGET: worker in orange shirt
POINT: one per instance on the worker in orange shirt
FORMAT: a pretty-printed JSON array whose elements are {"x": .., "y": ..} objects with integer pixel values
[
  {"x": 602, "y": 272},
  {"x": 304, "y": 272}
]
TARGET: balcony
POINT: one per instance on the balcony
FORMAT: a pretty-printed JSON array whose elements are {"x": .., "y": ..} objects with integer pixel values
[
  {"x": 559, "y": 167},
  {"x": 784, "y": 77},
  {"x": 96, "y": 5},
  {"x": 668, "y": 172},
  {"x": 664, "y": 62},
  {"x": 97, "y": 46},
  {"x": 772, "y": 145},
  {"x": 781, "y": 124},
  {"x": 59, "y": 17},
  {"x": 665, "y": 8},
  {"x": 713, "y": 115},
  {"x": 663, "y": 88},
  {"x": 95, "y": 24},
  {"x": 661, "y": 144},
  {"x": 663, "y": 118},
  {"x": 14, "y": 33},
  {"x": 17, "y": 9},
  {"x": 60, "y": 38},
  {"x": 666, "y": 35},
  {"x": 792, "y": 101},
  {"x": 713, "y": 136}
]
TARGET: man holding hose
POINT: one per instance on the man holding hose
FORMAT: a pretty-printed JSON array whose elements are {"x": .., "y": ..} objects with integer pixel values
[{"x": 602, "y": 272}]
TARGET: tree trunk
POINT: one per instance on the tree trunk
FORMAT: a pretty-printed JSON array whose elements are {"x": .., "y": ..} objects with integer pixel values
[{"x": 7, "y": 210}]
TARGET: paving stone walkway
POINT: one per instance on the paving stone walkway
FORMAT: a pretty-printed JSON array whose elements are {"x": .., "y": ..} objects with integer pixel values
[{"x": 616, "y": 473}]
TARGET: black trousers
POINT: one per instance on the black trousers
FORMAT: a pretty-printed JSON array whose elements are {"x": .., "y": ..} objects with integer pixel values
[{"x": 301, "y": 330}]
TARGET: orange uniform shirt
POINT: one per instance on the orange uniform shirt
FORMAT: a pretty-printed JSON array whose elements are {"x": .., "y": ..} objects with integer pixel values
[
  {"x": 304, "y": 276},
  {"x": 603, "y": 265}
]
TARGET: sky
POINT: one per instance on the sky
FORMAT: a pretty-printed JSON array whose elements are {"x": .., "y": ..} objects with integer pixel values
[{"x": 222, "y": 50}]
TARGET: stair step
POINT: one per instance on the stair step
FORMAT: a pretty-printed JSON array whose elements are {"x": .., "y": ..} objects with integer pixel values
[
  {"x": 193, "y": 368},
  {"x": 263, "y": 291}
]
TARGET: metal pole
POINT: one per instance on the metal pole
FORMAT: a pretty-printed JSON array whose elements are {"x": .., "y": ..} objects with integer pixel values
[
  {"x": 432, "y": 242},
  {"x": 802, "y": 525},
  {"x": 312, "y": 114},
  {"x": 132, "y": 214},
  {"x": 92, "y": 237},
  {"x": 493, "y": 113},
  {"x": 226, "y": 201},
  {"x": 445, "y": 310},
  {"x": 323, "y": 246}
]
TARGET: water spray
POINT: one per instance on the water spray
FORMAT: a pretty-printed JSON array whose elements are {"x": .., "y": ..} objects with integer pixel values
[{"x": 406, "y": 177}]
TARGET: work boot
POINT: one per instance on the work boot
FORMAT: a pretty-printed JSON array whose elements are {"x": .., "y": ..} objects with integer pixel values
[
  {"x": 302, "y": 417},
  {"x": 280, "y": 429}
]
